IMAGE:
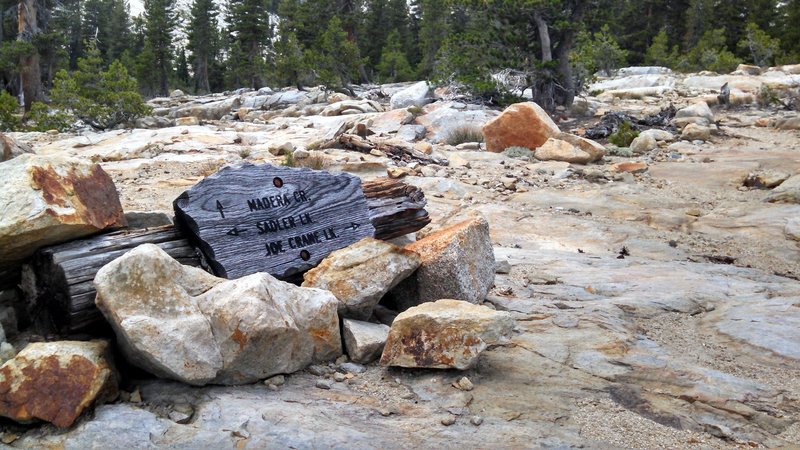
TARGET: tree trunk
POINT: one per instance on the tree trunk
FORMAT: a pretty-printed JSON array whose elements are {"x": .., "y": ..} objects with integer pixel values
[
  {"x": 562, "y": 54},
  {"x": 30, "y": 75},
  {"x": 544, "y": 37},
  {"x": 201, "y": 75}
]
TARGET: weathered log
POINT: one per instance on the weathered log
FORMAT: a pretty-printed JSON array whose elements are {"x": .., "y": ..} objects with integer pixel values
[
  {"x": 395, "y": 208},
  {"x": 395, "y": 149},
  {"x": 58, "y": 281}
]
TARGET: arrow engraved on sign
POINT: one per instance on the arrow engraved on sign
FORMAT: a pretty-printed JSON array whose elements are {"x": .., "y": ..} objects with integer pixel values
[
  {"x": 220, "y": 208},
  {"x": 235, "y": 231}
]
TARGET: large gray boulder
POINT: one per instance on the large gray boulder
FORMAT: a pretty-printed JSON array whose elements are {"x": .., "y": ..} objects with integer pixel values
[
  {"x": 360, "y": 274},
  {"x": 418, "y": 94},
  {"x": 208, "y": 111},
  {"x": 182, "y": 323}
]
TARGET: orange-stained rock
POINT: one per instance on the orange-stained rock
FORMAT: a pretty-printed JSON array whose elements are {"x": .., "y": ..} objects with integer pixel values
[
  {"x": 56, "y": 381},
  {"x": 360, "y": 274},
  {"x": 457, "y": 262},
  {"x": 631, "y": 166},
  {"x": 446, "y": 334},
  {"x": 520, "y": 125},
  {"x": 594, "y": 149},
  {"x": 50, "y": 199}
]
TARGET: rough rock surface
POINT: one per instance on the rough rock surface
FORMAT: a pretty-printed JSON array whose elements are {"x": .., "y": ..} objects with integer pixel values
[
  {"x": 446, "y": 334},
  {"x": 220, "y": 331},
  {"x": 46, "y": 200},
  {"x": 12, "y": 148},
  {"x": 56, "y": 381},
  {"x": 520, "y": 125},
  {"x": 360, "y": 274},
  {"x": 418, "y": 94},
  {"x": 559, "y": 150},
  {"x": 364, "y": 341},
  {"x": 457, "y": 262},
  {"x": 146, "y": 296},
  {"x": 786, "y": 192}
]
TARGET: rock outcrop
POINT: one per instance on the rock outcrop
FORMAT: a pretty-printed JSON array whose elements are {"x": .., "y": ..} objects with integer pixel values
[
  {"x": 520, "y": 125},
  {"x": 12, "y": 148},
  {"x": 446, "y": 334},
  {"x": 56, "y": 381}
]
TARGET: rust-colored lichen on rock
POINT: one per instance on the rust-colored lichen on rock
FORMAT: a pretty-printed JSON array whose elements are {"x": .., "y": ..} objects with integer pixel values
[
  {"x": 96, "y": 201},
  {"x": 56, "y": 388}
]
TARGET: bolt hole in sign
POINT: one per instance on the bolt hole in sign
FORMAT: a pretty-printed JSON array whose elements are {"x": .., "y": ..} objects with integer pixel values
[{"x": 261, "y": 218}]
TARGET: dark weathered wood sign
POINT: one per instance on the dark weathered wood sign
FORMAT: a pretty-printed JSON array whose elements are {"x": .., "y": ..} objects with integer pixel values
[{"x": 280, "y": 220}]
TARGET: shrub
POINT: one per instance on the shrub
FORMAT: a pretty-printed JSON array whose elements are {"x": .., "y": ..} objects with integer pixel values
[
  {"x": 624, "y": 135},
  {"x": 416, "y": 110},
  {"x": 659, "y": 53},
  {"x": 599, "y": 52},
  {"x": 762, "y": 47},
  {"x": 102, "y": 99},
  {"x": 289, "y": 160},
  {"x": 518, "y": 152},
  {"x": 45, "y": 119},
  {"x": 9, "y": 108},
  {"x": 710, "y": 53},
  {"x": 464, "y": 134},
  {"x": 316, "y": 161},
  {"x": 767, "y": 96}
]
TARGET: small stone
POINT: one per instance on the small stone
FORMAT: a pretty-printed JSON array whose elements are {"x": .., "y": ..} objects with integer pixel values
[
  {"x": 694, "y": 132},
  {"x": 509, "y": 182},
  {"x": 428, "y": 171},
  {"x": 464, "y": 384},
  {"x": 323, "y": 384},
  {"x": 448, "y": 420},
  {"x": 476, "y": 420},
  {"x": 283, "y": 149},
  {"x": 643, "y": 144},
  {"x": 179, "y": 417},
  {"x": 385, "y": 412},
  {"x": 469, "y": 146},
  {"x": 318, "y": 370},
  {"x": 398, "y": 172},
  {"x": 364, "y": 341},
  {"x": 376, "y": 152},
  {"x": 424, "y": 147},
  {"x": 341, "y": 360},
  {"x": 502, "y": 267},
  {"x": 135, "y": 396},
  {"x": 630, "y": 167},
  {"x": 277, "y": 380},
  {"x": 301, "y": 153},
  {"x": 339, "y": 377},
  {"x": 352, "y": 367}
]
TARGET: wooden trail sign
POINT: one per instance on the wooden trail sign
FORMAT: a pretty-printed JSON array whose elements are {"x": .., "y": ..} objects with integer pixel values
[{"x": 280, "y": 220}]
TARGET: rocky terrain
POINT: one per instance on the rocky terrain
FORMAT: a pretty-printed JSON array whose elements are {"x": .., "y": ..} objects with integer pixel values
[{"x": 649, "y": 295}]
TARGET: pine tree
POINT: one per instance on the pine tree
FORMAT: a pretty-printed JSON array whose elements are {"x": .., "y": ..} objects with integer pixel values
[
  {"x": 182, "y": 68},
  {"x": 290, "y": 66},
  {"x": 433, "y": 30},
  {"x": 160, "y": 21},
  {"x": 203, "y": 37},
  {"x": 394, "y": 66},
  {"x": 337, "y": 61},
  {"x": 250, "y": 31}
]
